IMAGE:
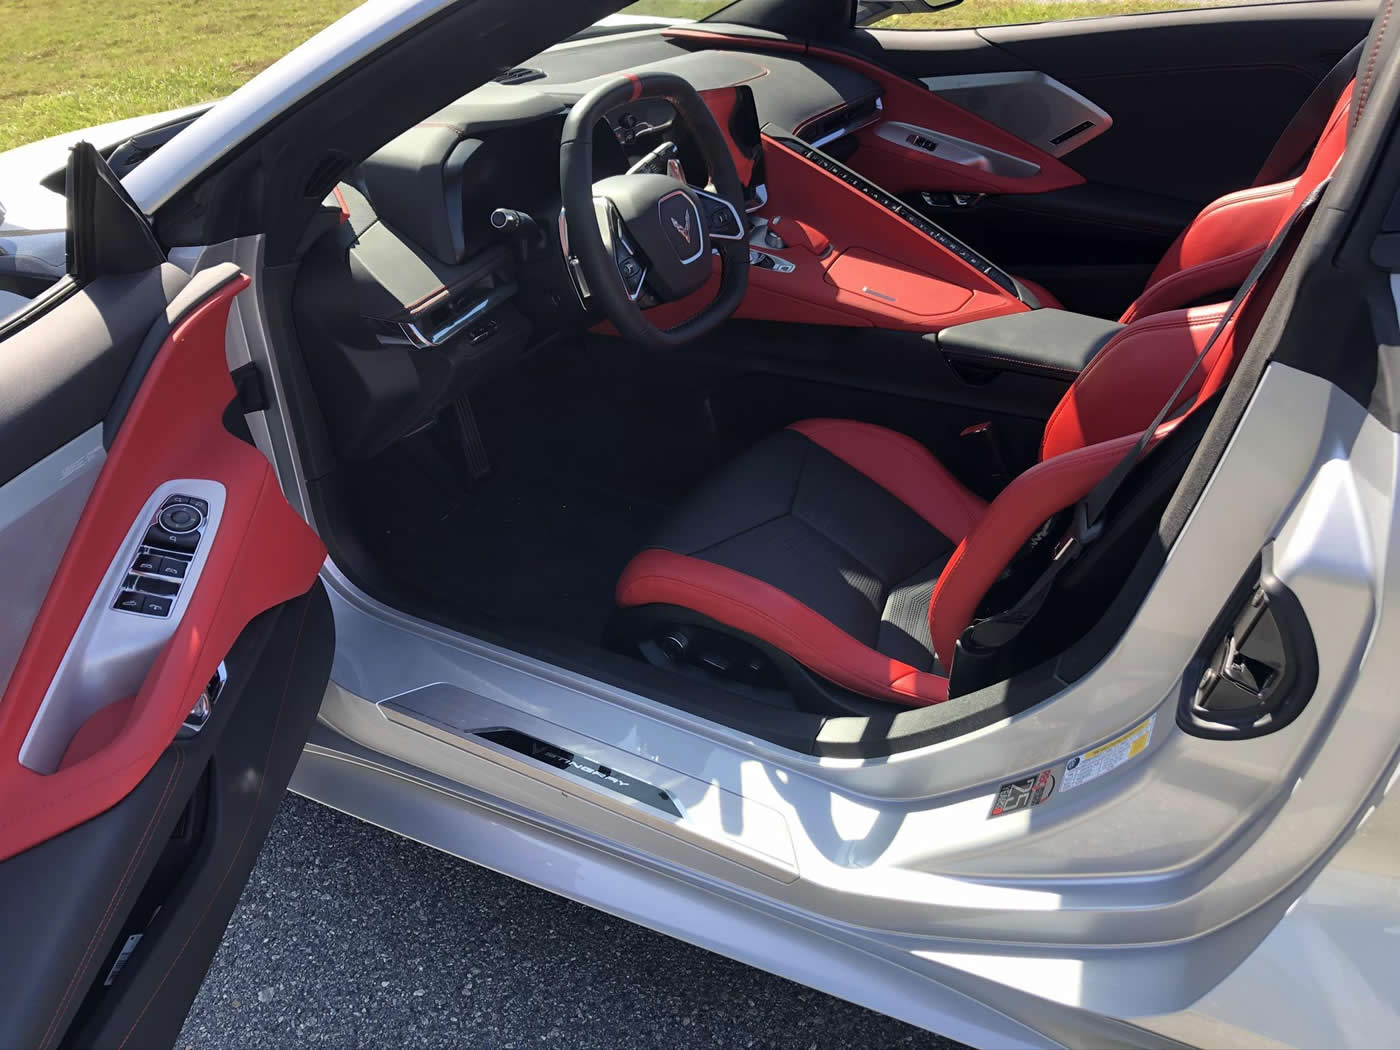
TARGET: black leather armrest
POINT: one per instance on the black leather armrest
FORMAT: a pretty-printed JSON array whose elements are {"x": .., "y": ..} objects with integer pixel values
[{"x": 1052, "y": 343}]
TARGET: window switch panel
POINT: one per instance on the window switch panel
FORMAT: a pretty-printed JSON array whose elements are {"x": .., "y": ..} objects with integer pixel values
[
  {"x": 152, "y": 605},
  {"x": 146, "y": 562},
  {"x": 154, "y": 585},
  {"x": 172, "y": 568},
  {"x": 154, "y": 580}
]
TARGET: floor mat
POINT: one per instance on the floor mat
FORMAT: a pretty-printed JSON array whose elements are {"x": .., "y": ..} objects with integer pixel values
[
  {"x": 522, "y": 547},
  {"x": 533, "y": 554}
]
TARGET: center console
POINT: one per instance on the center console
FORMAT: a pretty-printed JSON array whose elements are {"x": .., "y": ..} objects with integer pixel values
[
  {"x": 1051, "y": 343},
  {"x": 894, "y": 205}
]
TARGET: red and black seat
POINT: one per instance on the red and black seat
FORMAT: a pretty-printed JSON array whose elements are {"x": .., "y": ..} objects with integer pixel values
[
  {"x": 1219, "y": 247},
  {"x": 852, "y": 550}
]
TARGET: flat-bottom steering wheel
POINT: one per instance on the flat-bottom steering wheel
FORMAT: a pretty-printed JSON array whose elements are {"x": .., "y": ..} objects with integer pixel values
[{"x": 653, "y": 231}]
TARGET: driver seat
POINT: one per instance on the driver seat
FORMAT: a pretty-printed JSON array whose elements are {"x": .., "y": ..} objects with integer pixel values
[{"x": 850, "y": 549}]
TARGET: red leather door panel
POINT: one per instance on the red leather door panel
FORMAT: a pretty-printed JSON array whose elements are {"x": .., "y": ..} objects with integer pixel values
[{"x": 262, "y": 555}]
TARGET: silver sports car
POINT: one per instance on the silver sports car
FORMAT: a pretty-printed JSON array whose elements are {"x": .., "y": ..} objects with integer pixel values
[{"x": 911, "y": 510}]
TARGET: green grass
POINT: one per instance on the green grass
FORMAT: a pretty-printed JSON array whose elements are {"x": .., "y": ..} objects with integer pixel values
[
  {"x": 73, "y": 63},
  {"x": 973, "y": 13},
  {"x": 968, "y": 14}
]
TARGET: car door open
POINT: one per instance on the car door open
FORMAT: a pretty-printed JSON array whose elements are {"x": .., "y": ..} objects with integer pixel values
[{"x": 166, "y": 642}]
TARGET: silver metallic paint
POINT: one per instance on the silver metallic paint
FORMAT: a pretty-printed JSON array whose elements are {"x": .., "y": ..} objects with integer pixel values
[{"x": 930, "y": 871}]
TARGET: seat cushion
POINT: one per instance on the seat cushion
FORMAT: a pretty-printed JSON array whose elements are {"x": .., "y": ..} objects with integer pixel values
[{"x": 826, "y": 541}]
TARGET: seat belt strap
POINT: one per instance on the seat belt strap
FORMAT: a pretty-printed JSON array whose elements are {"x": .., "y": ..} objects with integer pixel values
[
  {"x": 1295, "y": 145},
  {"x": 1087, "y": 524}
]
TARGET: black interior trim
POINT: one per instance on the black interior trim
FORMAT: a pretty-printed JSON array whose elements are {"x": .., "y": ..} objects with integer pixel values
[
  {"x": 70, "y": 927},
  {"x": 106, "y": 232},
  {"x": 274, "y": 181},
  {"x": 61, "y": 372},
  {"x": 1041, "y": 342}
]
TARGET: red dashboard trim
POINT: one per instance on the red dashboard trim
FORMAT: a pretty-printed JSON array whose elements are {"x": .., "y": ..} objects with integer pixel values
[
  {"x": 900, "y": 170},
  {"x": 870, "y": 247}
]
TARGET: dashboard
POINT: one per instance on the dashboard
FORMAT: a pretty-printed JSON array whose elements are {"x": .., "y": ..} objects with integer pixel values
[{"x": 419, "y": 288}]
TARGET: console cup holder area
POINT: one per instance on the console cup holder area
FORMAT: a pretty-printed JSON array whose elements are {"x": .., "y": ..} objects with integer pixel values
[{"x": 133, "y": 614}]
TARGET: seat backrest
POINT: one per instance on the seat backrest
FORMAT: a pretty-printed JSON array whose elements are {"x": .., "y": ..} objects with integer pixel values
[
  {"x": 1105, "y": 410},
  {"x": 1217, "y": 250},
  {"x": 1125, "y": 384}
]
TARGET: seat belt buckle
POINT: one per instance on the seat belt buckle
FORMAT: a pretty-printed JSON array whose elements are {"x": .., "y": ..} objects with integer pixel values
[
  {"x": 982, "y": 449},
  {"x": 1081, "y": 533}
]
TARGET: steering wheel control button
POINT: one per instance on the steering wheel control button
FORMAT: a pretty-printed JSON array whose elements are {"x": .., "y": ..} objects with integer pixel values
[
  {"x": 633, "y": 273},
  {"x": 722, "y": 218},
  {"x": 129, "y": 601},
  {"x": 152, "y": 605},
  {"x": 180, "y": 519}
]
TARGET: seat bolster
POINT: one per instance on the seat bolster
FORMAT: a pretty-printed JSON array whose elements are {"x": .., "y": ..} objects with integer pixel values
[
  {"x": 1011, "y": 519},
  {"x": 1127, "y": 381},
  {"x": 1216, "y": 278},
  {"x": 903, "y": 468},
  {"x": 659, "y": 577},
  {"x": 1216, "y": 252}
]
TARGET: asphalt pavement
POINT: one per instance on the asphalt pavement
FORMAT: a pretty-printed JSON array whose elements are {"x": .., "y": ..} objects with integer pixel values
[{"x": 348, "y": 936}]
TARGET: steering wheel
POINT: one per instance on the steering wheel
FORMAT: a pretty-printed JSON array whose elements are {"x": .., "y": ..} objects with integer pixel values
[{"x": 651, "y": 231}]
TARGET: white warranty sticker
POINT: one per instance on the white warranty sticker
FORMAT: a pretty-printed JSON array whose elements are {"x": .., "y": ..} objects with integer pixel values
[{"x": 1083, "y": 768}]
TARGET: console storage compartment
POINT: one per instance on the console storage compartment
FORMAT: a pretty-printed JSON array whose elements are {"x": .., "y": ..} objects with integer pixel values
[{"x": 1053, "y": 343}]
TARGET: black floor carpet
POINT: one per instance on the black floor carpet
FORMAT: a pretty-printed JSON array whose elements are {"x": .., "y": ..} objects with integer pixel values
[{"x": 581, "y": 451}]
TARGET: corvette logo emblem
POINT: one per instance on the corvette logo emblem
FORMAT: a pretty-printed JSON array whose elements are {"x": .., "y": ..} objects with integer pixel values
[{"x": 683, "y": 228}]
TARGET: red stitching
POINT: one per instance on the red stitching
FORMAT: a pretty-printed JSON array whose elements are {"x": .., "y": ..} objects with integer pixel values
[
  {"x": 262, "y": 783},
  {"x": 975, "y": 355},
  {"x": 137, "y": 855},
  {"x": 1122, "y": 339},
  {"x": 911, "y": 449},
  {"x": 1149, "y": 297},
  {"x": 1364, "y": 92},
  {"x": 1251, "y": 195}
]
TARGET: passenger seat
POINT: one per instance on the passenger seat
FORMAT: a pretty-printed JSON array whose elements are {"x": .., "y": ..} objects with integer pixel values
[{"x": 1214, "y": 254}]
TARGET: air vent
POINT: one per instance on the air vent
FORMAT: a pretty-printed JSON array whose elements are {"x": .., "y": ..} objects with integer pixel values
[
  {"x": 843, "y": 122},
  {"x": 519, "y": 75}
]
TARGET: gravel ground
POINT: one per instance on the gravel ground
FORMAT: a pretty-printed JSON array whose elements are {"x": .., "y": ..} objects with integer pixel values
[{"x": 348, "y": 936}]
